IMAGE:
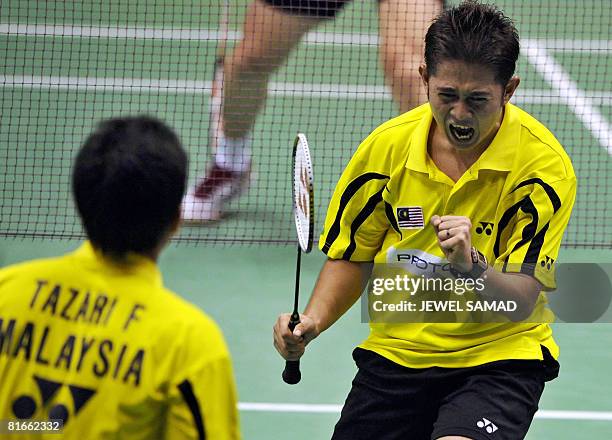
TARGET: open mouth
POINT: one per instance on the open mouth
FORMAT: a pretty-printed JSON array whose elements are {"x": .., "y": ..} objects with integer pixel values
[{"x": 461, "y": 132}]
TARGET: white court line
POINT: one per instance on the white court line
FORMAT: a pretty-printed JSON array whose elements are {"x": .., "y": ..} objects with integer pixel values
[
  {"x": 336, "y": 91},
  {"x": 326, "y": 409},
  {"x": 569, "y": 93},
  {"x": 188, "y": 86},
  {"x": 289, "y": 407},
  {"x": 315, "y": 37},
  {"x": 598, "y": 46},
  {"x": 605, "y": 416},
  {"x": 46, "y": 30}
]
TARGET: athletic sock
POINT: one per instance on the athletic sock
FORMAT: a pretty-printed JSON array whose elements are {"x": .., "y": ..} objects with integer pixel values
[{"x": 233, "y": 154}]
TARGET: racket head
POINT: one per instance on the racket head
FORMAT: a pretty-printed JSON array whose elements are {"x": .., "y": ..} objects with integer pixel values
[{"x": 303, "y": 193}]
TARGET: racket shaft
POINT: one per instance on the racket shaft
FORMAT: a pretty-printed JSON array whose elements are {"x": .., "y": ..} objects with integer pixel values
[{"x": 296, "y": 296}]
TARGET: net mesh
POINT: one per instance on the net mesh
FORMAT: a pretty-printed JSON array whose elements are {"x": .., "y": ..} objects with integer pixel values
[{"x": 67, "y": 65}]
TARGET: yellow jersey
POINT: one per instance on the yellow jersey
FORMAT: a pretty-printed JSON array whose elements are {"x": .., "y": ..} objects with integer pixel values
[
  {"x": 518, "y": 195},
  {"x": 111, "y": 352}
]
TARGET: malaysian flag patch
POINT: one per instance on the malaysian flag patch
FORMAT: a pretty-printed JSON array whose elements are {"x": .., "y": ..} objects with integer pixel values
[{"x": 410, "y": 217}]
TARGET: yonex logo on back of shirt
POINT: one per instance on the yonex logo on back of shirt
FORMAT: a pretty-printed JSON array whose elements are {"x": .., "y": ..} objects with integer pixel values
[
  {"x": 25, "y": 406},
  {"x": 410, "y": 217}
]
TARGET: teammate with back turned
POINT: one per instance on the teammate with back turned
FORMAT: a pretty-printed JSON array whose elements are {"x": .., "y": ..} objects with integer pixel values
[
  {"x": 421, "y": 184},
  {"x": 93, "y": 338}
]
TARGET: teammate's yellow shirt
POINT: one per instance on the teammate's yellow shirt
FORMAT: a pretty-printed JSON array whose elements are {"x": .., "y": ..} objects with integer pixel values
[
  {"x": 518, "y": 195},
  {"x": 108, "y": 349}
]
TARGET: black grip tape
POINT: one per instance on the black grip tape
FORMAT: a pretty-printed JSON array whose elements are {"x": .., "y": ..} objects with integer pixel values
[{"x": 292, "y": 374}]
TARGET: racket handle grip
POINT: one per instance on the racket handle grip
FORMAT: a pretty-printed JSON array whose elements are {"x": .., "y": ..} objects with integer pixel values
[{"x": 292, "y": 374}]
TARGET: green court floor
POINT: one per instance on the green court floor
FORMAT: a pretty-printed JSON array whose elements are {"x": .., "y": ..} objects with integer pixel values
[{"x": 245, "y": 288}]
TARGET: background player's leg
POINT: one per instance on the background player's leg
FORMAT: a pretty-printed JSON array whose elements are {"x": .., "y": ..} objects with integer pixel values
[
  {"x": 403, "y": 24},
  {"x": 269, "y": 36}
]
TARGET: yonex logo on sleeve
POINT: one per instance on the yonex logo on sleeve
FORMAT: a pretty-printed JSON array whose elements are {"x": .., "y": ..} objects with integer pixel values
[
  {"x": 410, "y": 217},
  {"x": 547, "y": 262},
  {"x": 487, "y": 425}
]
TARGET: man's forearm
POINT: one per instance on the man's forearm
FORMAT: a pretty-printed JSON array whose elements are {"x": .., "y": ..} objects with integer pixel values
[
  {"x": 520, "y": 288},
  {"x": 339, "y": 285}
]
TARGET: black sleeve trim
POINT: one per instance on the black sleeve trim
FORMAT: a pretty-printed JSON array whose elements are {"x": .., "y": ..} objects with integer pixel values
[
  {"x": 348, "y": 193},
  {"x": 530, "y": 235},
  {"x": 361, "y": 217},
  {"x": 527, "y": 206},
  {"x": 530, "y": 230},
  {"x": 552, "y": 195},
  {"x": 535, "y": 247},
  {"x": 503, "y": 223},
  {"x": 391, "y": 217},
  {"x": 192, "y": 402}
]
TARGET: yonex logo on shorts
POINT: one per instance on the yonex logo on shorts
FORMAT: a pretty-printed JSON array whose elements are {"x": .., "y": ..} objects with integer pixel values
[
  {"x": 410, "y": 217},
  {"x": 487, "y": 425}
]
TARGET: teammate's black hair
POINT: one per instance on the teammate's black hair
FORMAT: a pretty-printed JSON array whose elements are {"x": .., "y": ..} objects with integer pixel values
[{"x": 128, "y": 181}]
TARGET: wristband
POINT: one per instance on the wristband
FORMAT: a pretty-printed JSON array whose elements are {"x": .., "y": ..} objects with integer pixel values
[{"x": 479, "y": 265}]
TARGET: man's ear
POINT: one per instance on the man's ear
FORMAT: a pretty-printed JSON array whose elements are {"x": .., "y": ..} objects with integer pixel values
[
  {"x": 511, "y": 88},
  {"x": 176, "y": 224},
  {"x": 424, "y": 74}
]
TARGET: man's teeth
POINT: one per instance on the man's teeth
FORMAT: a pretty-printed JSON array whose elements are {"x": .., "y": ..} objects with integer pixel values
[{"x": 462, "y": 132}]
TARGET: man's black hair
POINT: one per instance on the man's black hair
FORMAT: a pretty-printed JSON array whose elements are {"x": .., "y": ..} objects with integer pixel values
[
  {"x": 128, "y": 181},
  {"x": 474, "y": 33}
]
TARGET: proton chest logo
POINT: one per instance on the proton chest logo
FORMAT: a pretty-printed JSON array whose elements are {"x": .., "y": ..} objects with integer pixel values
[{"x": 410, "y": 217}]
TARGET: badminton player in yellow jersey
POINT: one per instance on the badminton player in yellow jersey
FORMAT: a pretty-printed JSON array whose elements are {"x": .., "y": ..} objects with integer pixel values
[
  {"x": 467, "y": 186},
  {"x": 93, "y": 338}
]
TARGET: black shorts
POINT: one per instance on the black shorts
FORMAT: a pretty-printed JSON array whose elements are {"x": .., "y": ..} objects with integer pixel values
[
  {"x": 310, "y": 8},
  {"x": 495, "y": 401}
]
